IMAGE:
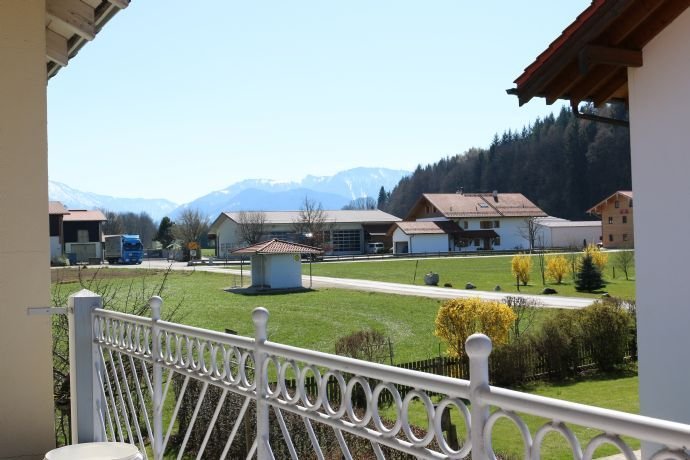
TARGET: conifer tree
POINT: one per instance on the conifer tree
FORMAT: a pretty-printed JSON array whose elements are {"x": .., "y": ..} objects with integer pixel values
[{"x": 588, "y": 277}]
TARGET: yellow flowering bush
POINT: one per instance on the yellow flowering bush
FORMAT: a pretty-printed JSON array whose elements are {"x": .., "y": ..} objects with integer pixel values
[
  {"x": 599, "y": 257},
  {"x": 521, "y": 267},
  {"x": 457, "y": 319},
  {"x": 556, "y": 268}
]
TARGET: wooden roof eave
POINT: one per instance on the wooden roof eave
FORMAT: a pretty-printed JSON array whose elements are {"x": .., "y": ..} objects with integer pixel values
[
  {"x": 589, "y": 61},
  {"x": 70, "y": 24}
]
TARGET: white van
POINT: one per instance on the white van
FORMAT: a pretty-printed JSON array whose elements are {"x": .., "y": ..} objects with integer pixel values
[{"x": 374, "y": 248}]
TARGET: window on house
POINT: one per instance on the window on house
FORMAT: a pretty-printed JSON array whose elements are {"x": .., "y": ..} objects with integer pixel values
[
  {"x": 610, "y": 238},
  {"x": 625, "y": 237},
  {"x": 477, "y": 242},
  {"x": 486, "y": 224},
  {"x": 610, "y": 220},
  {"x": 82, "y": 236},
  {"x": 497, "y": 224},
  {"x": 616, "y": 204},
  {"x": 630, "y": 204},
  {"x": 625, "y": 219},
  {"x": 497, "y": 241},
  {"x": 465, "y": 224},
  {"x": 426, "y": 209}
]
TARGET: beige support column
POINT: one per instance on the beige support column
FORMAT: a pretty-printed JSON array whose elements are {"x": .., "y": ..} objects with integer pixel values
[{"x": 26, "y": 402}]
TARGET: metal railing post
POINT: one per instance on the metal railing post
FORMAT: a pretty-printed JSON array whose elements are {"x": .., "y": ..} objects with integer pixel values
[
  {"x": 260, "y": 318},
  {"x": 84, "y": 366},
  {"x": 155, "y": 304},
  {"x": 478, "y": 348}
]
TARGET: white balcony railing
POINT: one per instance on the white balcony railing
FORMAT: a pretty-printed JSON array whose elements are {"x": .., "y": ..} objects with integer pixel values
[{"x": 176, "y": 391}]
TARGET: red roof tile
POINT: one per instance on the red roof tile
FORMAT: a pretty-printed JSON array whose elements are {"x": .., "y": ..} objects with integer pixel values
[{"x": 276, "y": 246}]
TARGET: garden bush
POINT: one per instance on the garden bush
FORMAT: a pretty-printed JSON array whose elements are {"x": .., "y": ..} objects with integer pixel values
[
  {"x": 512, "y": 364},
  {"x": 559, "y": 342},
  {"x": 605, "y": 327}
]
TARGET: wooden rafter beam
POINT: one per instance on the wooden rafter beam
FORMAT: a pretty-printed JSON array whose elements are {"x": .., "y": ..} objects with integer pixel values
[
  {"x": 121, "y": 4},
  {"x": 589, "y": 84},
  {"x": 76, "y": 15},
  {"x": 562, "y": 83},
  {"x": 612, "y": 86},
  {"x": 592, "y": 55},
  {"x": 656, "y": 22},
  {"x": 57, "y": 49}
]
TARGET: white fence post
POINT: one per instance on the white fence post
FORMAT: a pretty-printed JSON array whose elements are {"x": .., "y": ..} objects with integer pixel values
[
  {"x": 260, "y": 318},
  {"x": 84, "y": 366},
  {"x": 155, "y": 303},
  {"x": 478, "y": 348}
]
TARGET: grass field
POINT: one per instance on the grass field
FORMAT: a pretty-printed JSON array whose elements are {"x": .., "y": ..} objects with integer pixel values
[
  {"x": 484, "y": 272},
  {"x": 311, "y": 319},
  {"x": 618, "y": 392}
]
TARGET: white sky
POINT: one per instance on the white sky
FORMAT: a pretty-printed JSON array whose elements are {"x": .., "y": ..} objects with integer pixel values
[{"x": 175, "y": 99}]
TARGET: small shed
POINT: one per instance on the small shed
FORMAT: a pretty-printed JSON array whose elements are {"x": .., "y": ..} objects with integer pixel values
[{"x": 276, "y": 264}]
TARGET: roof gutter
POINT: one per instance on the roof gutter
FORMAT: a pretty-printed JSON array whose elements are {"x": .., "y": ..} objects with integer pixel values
[{"x": 597, "y": 118}]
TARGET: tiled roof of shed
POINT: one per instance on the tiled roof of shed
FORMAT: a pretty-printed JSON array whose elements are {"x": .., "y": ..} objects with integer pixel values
[
  {"x": 80, "y": 215},
  {"x": 276, "y": 246},
  {"x": 55, "y": 207}
]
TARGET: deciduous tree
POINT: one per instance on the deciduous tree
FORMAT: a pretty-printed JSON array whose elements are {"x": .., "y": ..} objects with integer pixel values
[
  {"x": 312, "y": 222},
  {"x": 190, "y": 227},
  {"x": 251, "y": 226},
  {"x": 625, "y": 261}
]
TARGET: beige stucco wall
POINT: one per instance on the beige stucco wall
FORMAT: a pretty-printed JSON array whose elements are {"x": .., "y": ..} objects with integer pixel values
[
  {"x": 660, "y": 136},
  {"x": 26, "y": 404}
]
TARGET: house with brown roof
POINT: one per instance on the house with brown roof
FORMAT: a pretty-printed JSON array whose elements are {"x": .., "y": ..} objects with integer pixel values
[
  {"x": 83, "y": 235},
  {"x": 345, "y": 232},
  {"x": 456, "y": 222},
  {"x": 635, "y": 52},
  {"x": 616, "y": 212}
]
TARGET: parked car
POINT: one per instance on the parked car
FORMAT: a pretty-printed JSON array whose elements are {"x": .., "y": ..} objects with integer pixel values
[{"x": 375, "y": 248}]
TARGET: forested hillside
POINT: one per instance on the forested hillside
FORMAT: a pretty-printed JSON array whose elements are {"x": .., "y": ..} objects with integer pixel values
[{"x": 563, "y": 164}]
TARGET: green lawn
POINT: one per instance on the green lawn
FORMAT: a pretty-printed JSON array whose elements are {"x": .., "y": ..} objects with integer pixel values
[
  {"x": 311, "y": 319},
  {"x": 484, "y": 272},
  {"x": 618, "y": 392}
]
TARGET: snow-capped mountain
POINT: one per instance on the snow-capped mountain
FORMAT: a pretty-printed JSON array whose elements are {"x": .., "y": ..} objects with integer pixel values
[
  {"x": 333, "y": 192},
  {"x": 76, "y": 199}
]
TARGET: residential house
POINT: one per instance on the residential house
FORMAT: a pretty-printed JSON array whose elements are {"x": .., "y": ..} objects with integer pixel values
[
  {"x": 458, "y": 222},
  {"x": 616, "y": 212},
  {"x": 56, "y": 213},
  {"x": 345, "y": 231},
  {"x": 635, "y": 52},
  {"x": 83, "y": 235},
  {"x": 553, "y": 232}
]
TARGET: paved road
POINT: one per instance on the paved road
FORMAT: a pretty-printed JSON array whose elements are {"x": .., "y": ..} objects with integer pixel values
[{"x": 380, "y": 286}]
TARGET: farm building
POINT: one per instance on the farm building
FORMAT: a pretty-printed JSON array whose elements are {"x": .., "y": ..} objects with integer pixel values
[
  {"x": 553, "y": 232},
  {"x": 342, "y": 232}
]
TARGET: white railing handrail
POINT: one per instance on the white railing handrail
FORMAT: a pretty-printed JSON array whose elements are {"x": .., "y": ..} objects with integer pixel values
[
  {"x": 408, "y": 377},
  {"x": 181, "y": 349},
  {"x": 667, "y": 432}
]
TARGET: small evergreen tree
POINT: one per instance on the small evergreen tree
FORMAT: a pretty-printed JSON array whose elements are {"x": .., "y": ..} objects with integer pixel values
[
  {"x": 383, "y": 198},
  {"x": 165, "y": 235},
  {"x": 588, "y": 277}
]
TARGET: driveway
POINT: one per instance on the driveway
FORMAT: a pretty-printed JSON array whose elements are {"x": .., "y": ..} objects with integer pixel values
[{"x": 381, "y": 286}]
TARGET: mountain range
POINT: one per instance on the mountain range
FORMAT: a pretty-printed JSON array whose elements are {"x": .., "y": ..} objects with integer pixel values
[{"x": 333, "y": 192}]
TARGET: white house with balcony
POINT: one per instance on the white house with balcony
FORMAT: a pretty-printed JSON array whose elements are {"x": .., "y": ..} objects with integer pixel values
[{"x": 462, "y": 222}]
